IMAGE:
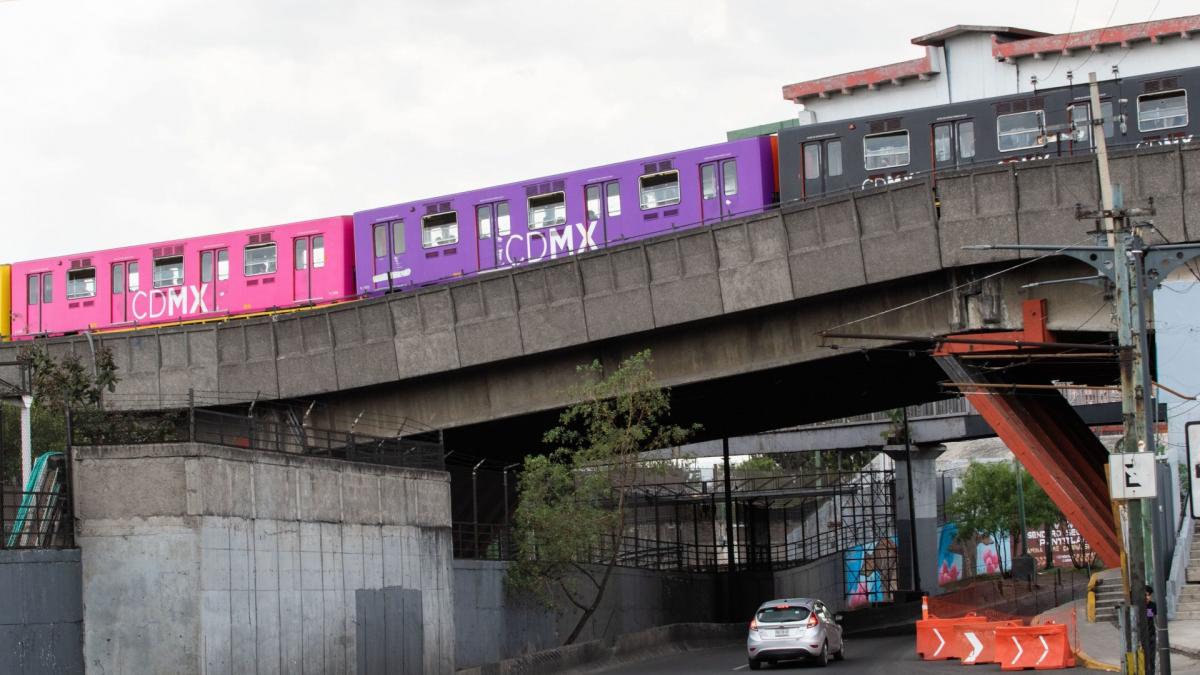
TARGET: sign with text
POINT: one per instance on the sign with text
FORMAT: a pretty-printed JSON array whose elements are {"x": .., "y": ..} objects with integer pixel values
[
  {"x": 1131, "y": 475},
  {"x": 1192, "y": 432}
]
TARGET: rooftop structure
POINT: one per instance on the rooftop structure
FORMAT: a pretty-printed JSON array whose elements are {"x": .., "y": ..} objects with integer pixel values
[{"x": 964, "y": 62}]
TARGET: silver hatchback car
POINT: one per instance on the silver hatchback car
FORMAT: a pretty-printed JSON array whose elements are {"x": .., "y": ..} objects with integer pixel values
[{"x": 794, "y": 628}]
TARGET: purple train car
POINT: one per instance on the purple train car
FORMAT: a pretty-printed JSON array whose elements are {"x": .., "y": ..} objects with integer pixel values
[{"x": 431, "y": 240}]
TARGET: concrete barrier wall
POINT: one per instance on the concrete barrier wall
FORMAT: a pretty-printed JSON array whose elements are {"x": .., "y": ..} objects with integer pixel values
[
  {"x": 824, "y": 579},
  {"x": 802, "y": 251},
  {"x": 493, "y": 624},
  {"x": 41, "y": 612},
  {"x": 203, "y": 559}
]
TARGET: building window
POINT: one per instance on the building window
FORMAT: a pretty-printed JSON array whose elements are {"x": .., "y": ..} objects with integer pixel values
[
  {"x": 381, "y": 240},
  {"x": 812, "y": 161},
  {"x": 81, "y": 283},
  {"x": 966, "y": 140},
  {"x": 659, "y": 189},
  {"x": 885, "y": 151},
  {"x": 1020, "y": 131},
  {"x": 439, "y": 230},
  {"x": 259, "y": 260},
  {"x": 222, "y": 265},
  {"x": 547, "y": 210},
  {"x": 1167, "y": 110},
  {"x": 34, "y": 288},
  {"x": 168, "y": 271},
  {"x": 729, "y": 170},
  {"x": 300, "y": 254},
  {"x": 833, "y": 157},
  {"x": 133, "y": 277},
  {"x": 613, "y": 191},
  {"x": 118, "y": 278},
  {"x": 318, "y": 247},
  {"x": 483, "y": 221},
  {"x": 708, "y": 181}
]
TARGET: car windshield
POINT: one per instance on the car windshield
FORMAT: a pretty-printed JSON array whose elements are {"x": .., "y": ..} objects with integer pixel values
[{"x": 782, "y": 614}]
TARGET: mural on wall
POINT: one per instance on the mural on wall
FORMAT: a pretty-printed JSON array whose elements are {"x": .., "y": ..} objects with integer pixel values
[
  {"x": 870, "y": 572},
  {"x": 980, "y": 554}
]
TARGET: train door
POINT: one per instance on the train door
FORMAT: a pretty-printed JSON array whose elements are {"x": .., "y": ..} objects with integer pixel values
[
  {"x": 39, "y": 292},
  {"x": 1080, "y": 116},
  {"x": 603, "y": 203},
  {"x": 118, "y": 312},
  {"x": 820, "y": 167},
  {"x": 953, "y": 144},
  {"x": 214, "y": 278},
  {"x": 492, "y": 225},
  {"x": 387, "y": 244},
  {"x": 302, "y": 282}
]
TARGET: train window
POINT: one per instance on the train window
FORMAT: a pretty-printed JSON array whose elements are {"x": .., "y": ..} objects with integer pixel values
[
  {"x": 398, "y": 244},
  {"x": 133, "y": 277},
  {"x": 885, "y": 151},
  {"x": 47, "y": 288},
  {"x": 1106, "y": 114},
  {"x": 81, "y": 283},
  {"x": 708, "y": 181},
  {"x": 118, "y": 278},
  {"x": 729, "y": 169},
  {"x": 34, "y": 287},
  {"x": 1166, "y": 110},
  {"x": 812, "y": 161},
  {"x": 222, "y": 265},
  {"x": 381, "y": 240},
  {"x": 168, "y": 272},
  {"x": 614, "y": 198},
  {"x": 1020, "y": 131},
  {"x": 503, "y": 223},
  {"x": 318, "y": 247},
  {"x": 259, "y": 260},
  {"x": 483, "y": 217},
  {"x": 966, "y": 139},
  {"x": 943, "y": 143},
  {"x": 592, "y": 197},
  {"x": 833, "y": 157},
  {"x": 206, "y": 267},
  {"x": 659, "y": 189},
  {"x": 547, "y": 210},
  {"x": 439, "y": 229},
  {"x": 299, "y": 255}
]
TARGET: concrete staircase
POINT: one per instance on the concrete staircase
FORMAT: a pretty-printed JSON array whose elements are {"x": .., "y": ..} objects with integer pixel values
[
  {"x": 1189, "y": 595},
  {"x": 1108, "y": 596}
]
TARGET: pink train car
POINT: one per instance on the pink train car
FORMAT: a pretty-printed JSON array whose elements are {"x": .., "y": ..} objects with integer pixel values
[{"x": 199, "y": 278}]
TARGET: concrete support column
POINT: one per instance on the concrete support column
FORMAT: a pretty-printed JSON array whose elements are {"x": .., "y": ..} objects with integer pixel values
[
  {"x": 26, "y": 441},
  {"x": 919, "y": 519}
]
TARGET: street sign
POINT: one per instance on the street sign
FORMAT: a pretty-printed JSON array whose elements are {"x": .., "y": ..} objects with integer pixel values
[
  {"x": 1192, "y": 432},
  {"x": 1131, "y": 475}
]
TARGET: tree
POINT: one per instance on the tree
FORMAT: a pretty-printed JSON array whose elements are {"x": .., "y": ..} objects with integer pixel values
[
  {"x": 987, "y": 503},
  {"x": 573, "y": 503},
  {"x": 756, "y": 465}
]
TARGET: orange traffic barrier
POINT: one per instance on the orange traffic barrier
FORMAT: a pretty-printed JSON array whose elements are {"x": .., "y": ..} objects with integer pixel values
[
  {"x": 975, "y": 642},
  {"x": 1043, "y": 647},
  {"x": 934, "y": 635}
]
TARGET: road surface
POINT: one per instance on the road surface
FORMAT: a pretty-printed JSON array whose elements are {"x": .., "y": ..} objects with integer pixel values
[{"x": 866, "y": 656}]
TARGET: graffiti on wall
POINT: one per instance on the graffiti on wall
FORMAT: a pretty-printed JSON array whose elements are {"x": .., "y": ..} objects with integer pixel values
[{"x": 870, "y": 572}]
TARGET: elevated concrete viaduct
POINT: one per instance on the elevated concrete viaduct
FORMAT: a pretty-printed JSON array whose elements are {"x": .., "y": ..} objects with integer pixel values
[{"x": 732, "y": 312}]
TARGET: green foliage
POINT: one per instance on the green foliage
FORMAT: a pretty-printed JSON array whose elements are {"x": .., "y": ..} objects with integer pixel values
[
  {"x": 572, "y": 502},
  {"x": 987, "y": 501},
  {"x": 756, "y": 465}
]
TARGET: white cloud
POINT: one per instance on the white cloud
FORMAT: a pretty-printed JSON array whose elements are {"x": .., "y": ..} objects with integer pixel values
[{"x": 135, "y": 120}]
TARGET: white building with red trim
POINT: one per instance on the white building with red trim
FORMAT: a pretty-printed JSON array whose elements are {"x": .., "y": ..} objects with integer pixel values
[{"x": 964, "y": 63}]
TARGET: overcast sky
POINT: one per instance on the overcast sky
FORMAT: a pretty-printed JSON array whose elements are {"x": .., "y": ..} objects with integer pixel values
[{"x": 129, "y": 121}]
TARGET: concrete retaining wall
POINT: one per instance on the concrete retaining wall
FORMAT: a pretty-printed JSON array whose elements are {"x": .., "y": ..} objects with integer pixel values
[
  {"x": 824, "y": 579},
  {"x": 203, "y": 559},
  {"x": 493, "y": 625},
  {"x": 41, "y": 613}
]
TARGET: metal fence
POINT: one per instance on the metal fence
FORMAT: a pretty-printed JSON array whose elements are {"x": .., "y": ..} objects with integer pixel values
[
  {"x": 104, "y": 427},
  {"x": 36, "y": 519}
]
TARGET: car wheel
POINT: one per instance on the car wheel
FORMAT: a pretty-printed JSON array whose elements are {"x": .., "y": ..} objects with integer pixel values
[
  {"x": 823, "y": 657},
  {"x": 841, "y": 653},
  {"x": 755, "y": 665}
]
